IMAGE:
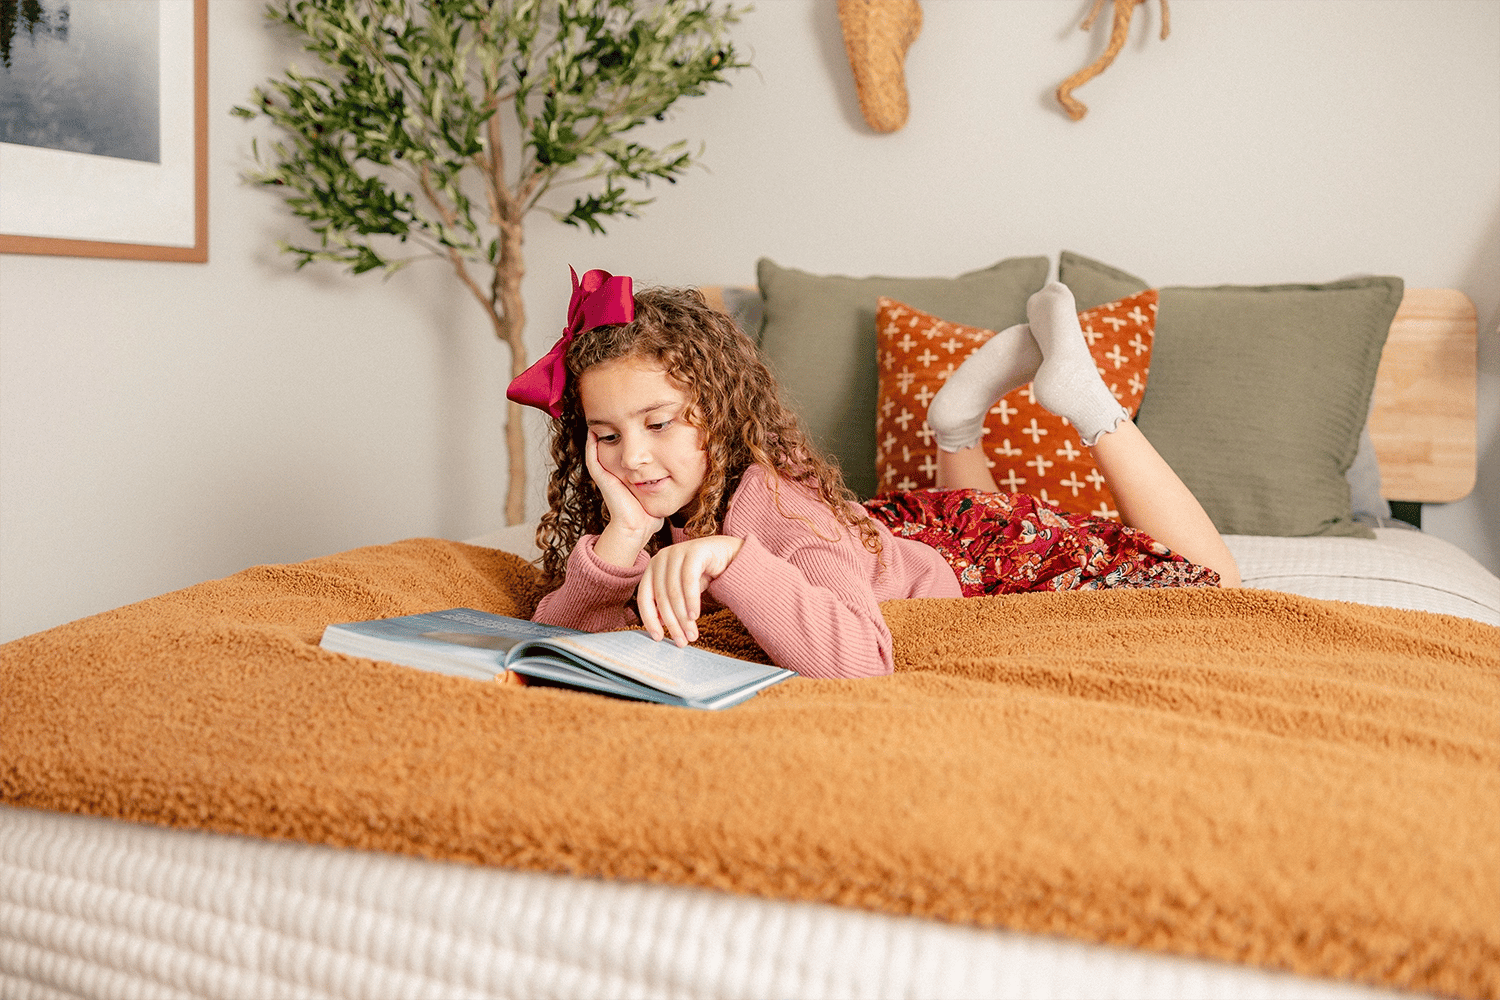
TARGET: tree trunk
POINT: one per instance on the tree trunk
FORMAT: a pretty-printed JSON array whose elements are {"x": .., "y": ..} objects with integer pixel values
[{"x": 512, "y": 311}]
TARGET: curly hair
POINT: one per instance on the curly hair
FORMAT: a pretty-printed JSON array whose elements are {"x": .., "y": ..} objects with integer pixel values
[{"x": 733, "y": 399}]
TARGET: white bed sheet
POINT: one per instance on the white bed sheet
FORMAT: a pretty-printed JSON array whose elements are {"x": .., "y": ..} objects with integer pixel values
[
  {"x": 1400, "y": 568},
  {"x": 94, "y": 907}
]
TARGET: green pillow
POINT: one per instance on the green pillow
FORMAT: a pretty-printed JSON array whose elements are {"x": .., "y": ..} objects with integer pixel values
[
  {"x": 818, "y": 336},
  {"x": 1258, "y": 393}
]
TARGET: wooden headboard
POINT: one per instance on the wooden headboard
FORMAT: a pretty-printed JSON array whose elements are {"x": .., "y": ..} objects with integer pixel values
[
  {"x": 1426, "y": 415},
  {"x": 1425, "y": 418}
]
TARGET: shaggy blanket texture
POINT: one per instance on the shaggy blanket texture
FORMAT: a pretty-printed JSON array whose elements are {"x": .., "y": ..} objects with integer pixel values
[{"x": 1241, "y": 775}]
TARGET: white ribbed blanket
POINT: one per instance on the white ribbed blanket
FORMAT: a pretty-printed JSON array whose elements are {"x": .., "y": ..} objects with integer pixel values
[{"x": 97, "y": 908}]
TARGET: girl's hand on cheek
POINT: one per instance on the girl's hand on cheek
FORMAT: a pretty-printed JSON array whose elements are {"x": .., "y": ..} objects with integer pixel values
[
  {"x": 624, "y": 509},
  {"x": 669, "y": 596},
  {"x": 629, "y": 527}
]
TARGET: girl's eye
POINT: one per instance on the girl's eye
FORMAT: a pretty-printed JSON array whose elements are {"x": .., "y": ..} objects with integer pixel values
[
  {"x": 663, "y": 425},
  {"x": 607, "y": 438}
]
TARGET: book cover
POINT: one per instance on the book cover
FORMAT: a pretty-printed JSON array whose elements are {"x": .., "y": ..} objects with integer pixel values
[{"x": 464, "y": 642}]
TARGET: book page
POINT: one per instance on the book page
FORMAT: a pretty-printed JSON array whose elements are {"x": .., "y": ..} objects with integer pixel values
[
  {"x": 691, "y": 673},
  {"x": 584, "y": 676},
  {"x": 483, "y": 622}
]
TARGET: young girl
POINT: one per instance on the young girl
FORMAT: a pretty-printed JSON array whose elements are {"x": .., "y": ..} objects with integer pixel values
[{"x": 680, "y": 472}]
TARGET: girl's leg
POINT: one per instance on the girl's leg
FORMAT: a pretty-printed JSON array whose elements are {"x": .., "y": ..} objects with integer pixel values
[
  {"x": 1006, "y": 361},
  {"x": 965, "y": 469},
  {"x": 1150, "y": 495},
  {"x": 1153, "y": 499}
]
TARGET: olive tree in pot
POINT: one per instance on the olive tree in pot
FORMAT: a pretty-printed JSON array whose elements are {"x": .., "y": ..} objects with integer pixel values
[{"x": 435, "y": 127}]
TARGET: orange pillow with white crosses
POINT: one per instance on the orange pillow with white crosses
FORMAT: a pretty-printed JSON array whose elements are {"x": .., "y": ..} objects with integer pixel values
[{"x": 1030, "y": 450}]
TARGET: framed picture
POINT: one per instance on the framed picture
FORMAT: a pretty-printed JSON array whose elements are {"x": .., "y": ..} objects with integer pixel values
[{"x": 104, "y": 146}]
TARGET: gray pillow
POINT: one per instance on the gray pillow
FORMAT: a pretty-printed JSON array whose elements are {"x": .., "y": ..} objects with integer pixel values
[
  {"x": 744, "y": 307},
  {"x": 1365, "y": 499},
  {"x": 1258, "y": 393},
  {"x": 818, "y": 336}
]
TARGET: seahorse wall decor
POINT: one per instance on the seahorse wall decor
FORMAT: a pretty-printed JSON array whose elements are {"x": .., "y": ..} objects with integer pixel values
[
  {"x": 1124, "y": 10},
  {"x": 877, "y": 34}
]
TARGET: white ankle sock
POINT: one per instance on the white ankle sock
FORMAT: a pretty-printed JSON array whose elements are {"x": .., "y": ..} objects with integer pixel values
[
  {"x": 1068, "y": 381},
  {"x": 1006, "y": 361}
]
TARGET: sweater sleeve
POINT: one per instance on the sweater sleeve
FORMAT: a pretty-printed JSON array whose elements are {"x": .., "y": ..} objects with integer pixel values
[
  {"x": 802, "y": 583},
  {"x": 594, "y": 593},
  {"x": 809, "y": 609}
]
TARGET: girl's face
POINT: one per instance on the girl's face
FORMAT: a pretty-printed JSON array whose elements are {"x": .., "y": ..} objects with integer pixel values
[{"x": 636, "y": 413}]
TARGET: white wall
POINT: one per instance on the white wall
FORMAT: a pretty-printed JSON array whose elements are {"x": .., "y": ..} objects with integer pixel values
[{"x": 162, "y": 424}]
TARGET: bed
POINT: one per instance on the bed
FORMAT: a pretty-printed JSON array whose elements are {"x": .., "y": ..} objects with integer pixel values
[{"x": 1285, "y": 791}]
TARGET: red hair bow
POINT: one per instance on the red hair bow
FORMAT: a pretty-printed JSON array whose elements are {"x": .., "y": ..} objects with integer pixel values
[{"x": 600, "y": 299}]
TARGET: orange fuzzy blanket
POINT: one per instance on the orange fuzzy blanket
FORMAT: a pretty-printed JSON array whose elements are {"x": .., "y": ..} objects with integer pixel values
[{"x": 1242, "y": 775}]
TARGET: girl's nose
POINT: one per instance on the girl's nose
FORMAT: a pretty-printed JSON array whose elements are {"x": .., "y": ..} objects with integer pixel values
[{"x": 636, "y": 452}]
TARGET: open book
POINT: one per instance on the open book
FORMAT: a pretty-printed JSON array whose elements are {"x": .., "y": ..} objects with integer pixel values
[{"x": 479, "y": 645}]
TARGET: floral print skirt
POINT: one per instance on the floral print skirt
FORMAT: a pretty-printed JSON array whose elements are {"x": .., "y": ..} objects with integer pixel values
[{"x": 1009, "y": 543}]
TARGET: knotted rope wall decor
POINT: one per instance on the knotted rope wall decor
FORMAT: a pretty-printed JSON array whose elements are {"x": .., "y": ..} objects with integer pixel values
[{"x": 1124, "y": 10}]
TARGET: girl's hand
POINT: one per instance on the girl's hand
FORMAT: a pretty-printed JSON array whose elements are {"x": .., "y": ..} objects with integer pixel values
[
  {"x": 629, "y": 527},
  {"x": 669, "y": 595}
]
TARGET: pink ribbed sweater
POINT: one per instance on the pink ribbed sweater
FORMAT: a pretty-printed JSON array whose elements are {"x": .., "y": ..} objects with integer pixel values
[{"x": 803, "y": 585}]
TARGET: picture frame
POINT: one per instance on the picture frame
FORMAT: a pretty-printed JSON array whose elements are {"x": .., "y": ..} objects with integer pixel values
[{"x": 79, "y": 205}]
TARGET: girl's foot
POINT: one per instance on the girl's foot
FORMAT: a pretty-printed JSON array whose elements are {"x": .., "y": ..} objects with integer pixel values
[
  {"x": 1068, "y": 381},
  {"x": 1005, "y": 362}
]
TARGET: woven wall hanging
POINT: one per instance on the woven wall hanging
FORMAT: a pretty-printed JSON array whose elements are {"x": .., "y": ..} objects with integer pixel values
[{"x": 877, "y": 34}]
